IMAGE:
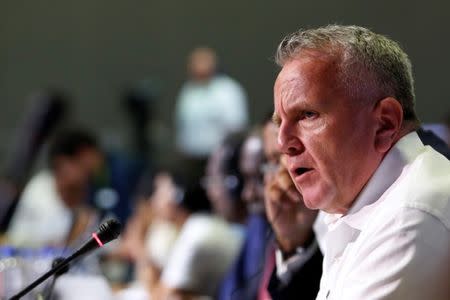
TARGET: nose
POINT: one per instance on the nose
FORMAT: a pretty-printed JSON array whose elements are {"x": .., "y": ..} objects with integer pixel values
[{"x": 289, "y": 140}]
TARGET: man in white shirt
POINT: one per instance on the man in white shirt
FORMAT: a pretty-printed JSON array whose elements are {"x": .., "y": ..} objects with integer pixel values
[
  {"x": 208, "y": 107},
  {"x": 52, "y": 209},
  {"x": 298, "y": 257},
  {"x": 344, "y": 103}
]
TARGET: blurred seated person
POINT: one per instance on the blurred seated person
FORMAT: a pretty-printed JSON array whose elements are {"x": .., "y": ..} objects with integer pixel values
[
  {"x": 209, "y": 243},
  {"x": 244, "y": 280},
  {"x": 298, "y": 257},
  {"x": 151, "y": 234},
  {"x": 209, "y": 103},
  {"x": 52, "y": 209},
  {"x": 224, "y": 181},
  {"x": 172, "y": 206}
]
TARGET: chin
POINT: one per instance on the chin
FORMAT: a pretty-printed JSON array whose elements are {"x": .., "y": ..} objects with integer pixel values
[
  {"x": 318, "y": 202},
  {"x": 310, "y": 197},
  {"x": 319, "y": 197},
  {"x": 311, "y": 204}
]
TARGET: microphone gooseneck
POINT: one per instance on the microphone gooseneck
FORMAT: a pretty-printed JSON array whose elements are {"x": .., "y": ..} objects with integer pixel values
[{"x": 108, "y": 231}]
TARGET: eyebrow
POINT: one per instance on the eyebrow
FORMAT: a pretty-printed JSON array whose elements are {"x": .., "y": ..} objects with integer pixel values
[{"x": 276, "y": 119}]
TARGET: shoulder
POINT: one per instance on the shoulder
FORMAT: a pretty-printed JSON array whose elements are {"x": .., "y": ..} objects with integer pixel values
[
  {"x": 39, "y": 190},
  {"x": 203, "y": 230},
  {"x": 226, "y": 82},
  {"x": 426, "y": 186}
]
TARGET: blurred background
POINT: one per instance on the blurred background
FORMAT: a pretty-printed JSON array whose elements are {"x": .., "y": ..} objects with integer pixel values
[
  {"x": 121, "y": 74},
  {"x": 95, "y": 49}
]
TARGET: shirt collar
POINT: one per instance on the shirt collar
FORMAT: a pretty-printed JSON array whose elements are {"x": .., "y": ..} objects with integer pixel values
[{"x": 403, "y": 152}]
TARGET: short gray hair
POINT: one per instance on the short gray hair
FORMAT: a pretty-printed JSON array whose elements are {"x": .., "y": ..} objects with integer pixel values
[{"x": 369, "y": 64}]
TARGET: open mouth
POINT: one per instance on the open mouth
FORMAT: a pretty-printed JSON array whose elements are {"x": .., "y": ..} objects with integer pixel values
[{"x": 301, "y": 171}]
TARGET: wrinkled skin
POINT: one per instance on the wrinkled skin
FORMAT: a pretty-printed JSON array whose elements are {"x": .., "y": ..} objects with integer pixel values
[{"x": 291, "y": 220}]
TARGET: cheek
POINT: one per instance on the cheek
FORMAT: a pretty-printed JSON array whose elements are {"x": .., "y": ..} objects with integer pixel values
[
  {"x": 333, "y": 146},
  {"x": 319, "y": 127}
]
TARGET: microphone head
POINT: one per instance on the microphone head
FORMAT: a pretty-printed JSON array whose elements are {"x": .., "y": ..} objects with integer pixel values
[{"x": 109, "y": 230}]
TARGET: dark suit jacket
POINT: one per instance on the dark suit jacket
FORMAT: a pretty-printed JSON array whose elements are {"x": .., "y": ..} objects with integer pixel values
[
  {"x": 243, "y": 280},
  {"x": 304, "y": 284},
  {"x": 429, "y": 138}
]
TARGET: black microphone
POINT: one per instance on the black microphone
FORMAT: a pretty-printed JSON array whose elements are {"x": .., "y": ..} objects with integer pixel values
[{"x": 107, "y": 231}]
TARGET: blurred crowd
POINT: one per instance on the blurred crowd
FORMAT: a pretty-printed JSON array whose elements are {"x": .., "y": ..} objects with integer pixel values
[{"x": 224, "y": 222}]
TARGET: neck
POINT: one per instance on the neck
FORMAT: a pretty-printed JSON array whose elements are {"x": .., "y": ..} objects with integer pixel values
[{"x": 407, "y": 127}]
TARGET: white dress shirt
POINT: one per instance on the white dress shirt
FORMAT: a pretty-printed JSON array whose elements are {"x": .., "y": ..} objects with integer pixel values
[
  {"x": 394, "y": 243},
  {"x": 206, "y": 112},
  {"x": 41, "y": 217},
  {"x": 203, "y": 252}
]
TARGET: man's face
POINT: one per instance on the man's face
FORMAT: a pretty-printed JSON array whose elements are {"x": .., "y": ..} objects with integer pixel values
[
  {"x": 250, "y": 164},
  {"x": 202, "y": 65},
  {"x": 71, "y": 180},
  {"x": 327, "y": 136},
  {"x": 290, "y": 219}
]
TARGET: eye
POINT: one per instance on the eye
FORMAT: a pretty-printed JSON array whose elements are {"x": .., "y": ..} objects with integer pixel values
[{"x": 309, "y": 115}]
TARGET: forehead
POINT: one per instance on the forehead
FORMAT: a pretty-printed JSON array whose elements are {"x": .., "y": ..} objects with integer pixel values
[{"x": 311, "y": 75}]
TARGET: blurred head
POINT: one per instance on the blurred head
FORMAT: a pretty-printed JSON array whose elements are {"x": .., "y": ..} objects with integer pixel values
[
  {"x": 202, "y": 64},
  {"x": 343, "y": 98},
  {"x": 73, "y": 157},
  {"x": 164, "y": 198},
  {"x": 251, "y": 160},
  {"x": 272, "y": 151},
  {"x": 173, "y": 200},
  {"x": 223, "y": 180}
]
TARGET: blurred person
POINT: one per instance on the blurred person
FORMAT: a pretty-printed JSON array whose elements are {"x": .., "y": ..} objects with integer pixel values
[
  {"x": 52, "y": 209},
  {"x": 344, "y": 104},
  {"x": 298, "y": 257},
  {"x": 165, "y": 205},
  {"x": 209, "y": 243},
  {"x": 224, "y": 180},
  {"x": 150, "y": 236},
  {"x": 47, "y": 110},
  {"x": 209, "y": 103},
  {"x": 250, "y": 163},
  {"x": 245, "y": 278}
]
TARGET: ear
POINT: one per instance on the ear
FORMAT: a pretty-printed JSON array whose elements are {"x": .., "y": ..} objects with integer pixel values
[{"x": 389, "y": 117}]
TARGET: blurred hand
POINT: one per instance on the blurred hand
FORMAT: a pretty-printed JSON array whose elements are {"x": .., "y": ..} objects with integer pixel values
[
  {"x": 291, "y": 220},
  {"x": 131, "y": 245}
]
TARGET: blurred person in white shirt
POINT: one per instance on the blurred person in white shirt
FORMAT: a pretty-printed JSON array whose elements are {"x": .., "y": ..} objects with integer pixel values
[
  {"x": 52, "y": 209},
  {"x": 209, "y": 106}
]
